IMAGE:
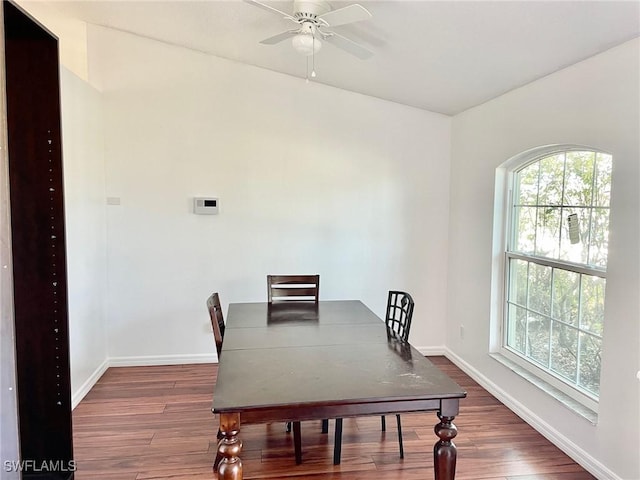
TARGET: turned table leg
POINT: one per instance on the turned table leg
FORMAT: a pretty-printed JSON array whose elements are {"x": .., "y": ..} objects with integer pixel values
[
  {"x": 227, "y": 462},
  {"x": 444, "y": 451}
]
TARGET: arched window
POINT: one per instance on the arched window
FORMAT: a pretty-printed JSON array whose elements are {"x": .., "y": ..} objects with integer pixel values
[{"x": 556, "y": 263}]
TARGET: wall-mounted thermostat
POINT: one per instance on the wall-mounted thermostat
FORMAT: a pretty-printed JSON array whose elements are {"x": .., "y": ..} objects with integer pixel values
[{"x": 205, "y": 206}]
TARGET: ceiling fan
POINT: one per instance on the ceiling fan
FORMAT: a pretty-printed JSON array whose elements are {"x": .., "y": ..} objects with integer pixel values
[{"x": 313, "y": 18}]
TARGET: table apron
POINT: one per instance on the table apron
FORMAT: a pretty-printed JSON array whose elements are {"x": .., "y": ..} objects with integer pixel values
[{"x": 446, "y": 407}]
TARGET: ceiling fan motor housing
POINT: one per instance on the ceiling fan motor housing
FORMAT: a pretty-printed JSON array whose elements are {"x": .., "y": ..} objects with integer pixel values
[{"x": 309, "y": 10}]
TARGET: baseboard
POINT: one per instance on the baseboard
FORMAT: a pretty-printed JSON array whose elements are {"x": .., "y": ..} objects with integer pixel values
[
  {"x": 162, "y": 360},
  {"x": 78, "y": 395},
  {"x": 88, "y": 384},
  {"x": 432, "y": 351},
  {"x": 580, "y": 456}
]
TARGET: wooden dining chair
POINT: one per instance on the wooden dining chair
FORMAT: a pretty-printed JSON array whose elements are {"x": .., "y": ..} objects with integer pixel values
[
  {"x": 398, "y": 320},
  {"x": 293, "y": 288},
  {"x": 218, "y": 326},
  {"x": 217, "y": 320}
]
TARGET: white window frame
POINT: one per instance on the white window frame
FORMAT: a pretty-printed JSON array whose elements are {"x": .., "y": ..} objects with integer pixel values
[{"x": 505, "y": 176}]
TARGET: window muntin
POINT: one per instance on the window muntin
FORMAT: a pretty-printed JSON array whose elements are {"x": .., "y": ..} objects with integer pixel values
[{"x": 555, "y": 287}]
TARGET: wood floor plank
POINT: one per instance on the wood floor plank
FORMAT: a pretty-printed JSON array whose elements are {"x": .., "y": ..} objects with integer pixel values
[{"x": 148, "y": 423}]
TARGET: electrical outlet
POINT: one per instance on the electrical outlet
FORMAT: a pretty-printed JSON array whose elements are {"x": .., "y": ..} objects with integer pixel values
[{"x": 462, "y": 332}]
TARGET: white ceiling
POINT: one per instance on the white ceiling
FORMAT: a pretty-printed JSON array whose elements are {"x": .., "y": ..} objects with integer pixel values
[{"x": 442, "y": 56}]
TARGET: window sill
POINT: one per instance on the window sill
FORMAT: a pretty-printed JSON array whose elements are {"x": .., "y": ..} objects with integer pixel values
[{"x": 562, "y": 397}]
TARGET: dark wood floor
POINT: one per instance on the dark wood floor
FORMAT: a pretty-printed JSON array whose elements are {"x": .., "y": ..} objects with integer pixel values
[{"x": 155, "y": 422}]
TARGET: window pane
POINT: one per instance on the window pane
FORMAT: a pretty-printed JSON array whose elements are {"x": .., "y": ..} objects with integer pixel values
[
  {"x": 526, "y": 224},
  {"x": 548, "y": 232},
  {"x": 575, "y": 252},
  {"x": 528, "y": 185},
  {"x": 516, "y": 328},
  {"x": 592, "y": 304},
  {"x": 578, "y": 179},
  {"x": 540, "y": 288},
  {"x": 551, "y": 180},
  {"x": 564, "y": 345},
  {"x": 518, "y": 280},
  {"x": 602, "y": 192},
  {"x": 566, "y": 296},
  {"x": 599, "y": 237},
  {"x": 538, "y": 338},
  {"x": 555, "y": 314},
  {"x": 590, "y": 348}
]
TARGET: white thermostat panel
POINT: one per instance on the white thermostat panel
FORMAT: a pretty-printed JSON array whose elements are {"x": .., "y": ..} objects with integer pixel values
[{"x": 205, "y": 206}]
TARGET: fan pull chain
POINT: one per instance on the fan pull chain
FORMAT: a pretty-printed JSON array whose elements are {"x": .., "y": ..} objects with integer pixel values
[
  {"x": 313, "y": 57},
  {"x": 306, "y": 72}
]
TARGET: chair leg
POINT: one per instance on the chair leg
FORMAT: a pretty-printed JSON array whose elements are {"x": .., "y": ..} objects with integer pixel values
[
  {"x": 400, "y": 436},
  {"x": 325, "y": 425},
  {"x": 337, "y": 442},
  {"x": 383, "y": 422},
  {"x": 297, "y": 442}
]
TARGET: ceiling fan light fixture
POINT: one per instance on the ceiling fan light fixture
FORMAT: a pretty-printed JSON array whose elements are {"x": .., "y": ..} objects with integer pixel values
[{"x": 306, "y": 44}]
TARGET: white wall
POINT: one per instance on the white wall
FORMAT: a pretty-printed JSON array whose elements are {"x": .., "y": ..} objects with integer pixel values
[
  {"x": 84, "y": 183},
  {"x": 311, "y": 179},
  {"x": 594, "y": 103},
  {"x": 314, "y": 179}
]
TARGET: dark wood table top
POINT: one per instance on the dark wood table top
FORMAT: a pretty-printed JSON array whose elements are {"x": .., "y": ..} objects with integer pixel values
[{"x": 310, "y": 357}]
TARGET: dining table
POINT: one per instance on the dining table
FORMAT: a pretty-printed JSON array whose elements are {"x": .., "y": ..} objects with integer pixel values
[{"x": 295, "y": 361}]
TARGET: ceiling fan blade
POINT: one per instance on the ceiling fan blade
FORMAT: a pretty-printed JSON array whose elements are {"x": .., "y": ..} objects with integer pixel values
[
  {"x": 269, "y": 8},
  {"x": 347, "y": 45},
  {"x": 279, "y": 38},
  {"x": 342, "y": 16}
]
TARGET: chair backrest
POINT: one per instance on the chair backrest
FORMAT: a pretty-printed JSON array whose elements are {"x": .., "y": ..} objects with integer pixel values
[
  {"x": 217, "y": 320},
  {"x": 293, "y": 287},
  {"x": 399, "y": 314}
]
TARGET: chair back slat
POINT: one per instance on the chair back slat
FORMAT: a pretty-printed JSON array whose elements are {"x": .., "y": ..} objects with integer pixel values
[
  {"x": 293, "y": 292},
  {"x": 217, "y": 320},
  {"x": 293, "y": 287},
  {"x": 399, "y": 314}
]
